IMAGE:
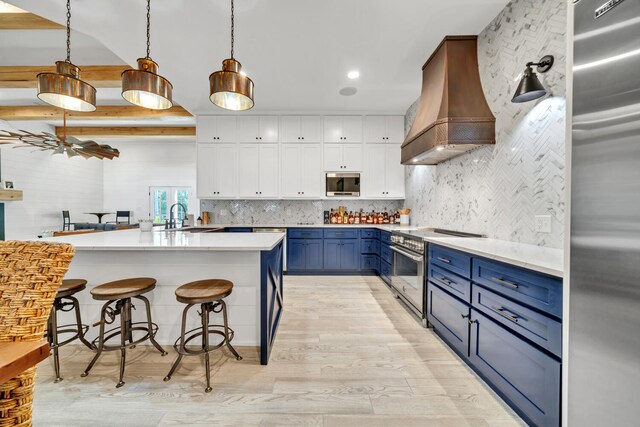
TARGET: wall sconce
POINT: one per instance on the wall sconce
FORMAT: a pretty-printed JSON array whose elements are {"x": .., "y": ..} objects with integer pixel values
[{"x": 530, "y": 87}]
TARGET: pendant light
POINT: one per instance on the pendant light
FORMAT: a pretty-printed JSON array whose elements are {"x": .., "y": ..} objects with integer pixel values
[
  {"x": 64, "y": 88},
  {"x": 144, "y": 87},
  {"x": 230, "y": 88}
]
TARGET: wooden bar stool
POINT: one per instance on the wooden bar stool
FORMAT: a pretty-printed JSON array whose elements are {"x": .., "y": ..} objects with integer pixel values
[
  {"x": 121, "y": 292},
  {"x": 210, "y": 295},
  {"x": 65, "y": 301}
]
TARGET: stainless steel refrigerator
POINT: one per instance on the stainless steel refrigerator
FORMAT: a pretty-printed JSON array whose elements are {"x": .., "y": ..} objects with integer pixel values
[{"x": 604, "y": 303}]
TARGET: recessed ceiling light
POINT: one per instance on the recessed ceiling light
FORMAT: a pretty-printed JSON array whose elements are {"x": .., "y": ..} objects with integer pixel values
[
  {"x": 440, "y": 148},
  {"x": 353, "y": 74},
  {"x": 348, "y": 91}
]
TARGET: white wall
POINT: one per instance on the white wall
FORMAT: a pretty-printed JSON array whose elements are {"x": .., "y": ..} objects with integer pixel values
[
  {"x": 145, "y": 164},
  {"x": 51, "y": 184}
]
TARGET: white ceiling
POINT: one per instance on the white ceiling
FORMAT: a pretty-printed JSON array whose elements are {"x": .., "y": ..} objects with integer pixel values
[{"x": 298, "y": 52}]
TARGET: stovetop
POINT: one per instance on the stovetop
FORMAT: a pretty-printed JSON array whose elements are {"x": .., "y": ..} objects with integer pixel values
[{"x": 421, "y": 233}]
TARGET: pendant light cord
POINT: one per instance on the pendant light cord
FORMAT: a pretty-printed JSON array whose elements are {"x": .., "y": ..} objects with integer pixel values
[
  {"x": 232, "y": 27},
  {"x": 68, "y": 31},
  {"x": 148, "y": 29}
]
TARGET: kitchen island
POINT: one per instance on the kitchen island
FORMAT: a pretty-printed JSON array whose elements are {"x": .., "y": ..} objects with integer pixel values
[{"x": 252, "y": 261}]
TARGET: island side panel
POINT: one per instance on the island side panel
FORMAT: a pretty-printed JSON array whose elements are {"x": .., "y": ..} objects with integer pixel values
[
  {"x": 172, "y": 268},
  {"x": 271, "y": 299}
]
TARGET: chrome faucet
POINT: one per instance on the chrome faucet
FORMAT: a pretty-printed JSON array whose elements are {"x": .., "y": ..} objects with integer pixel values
[{"x": 172, "y": 220}]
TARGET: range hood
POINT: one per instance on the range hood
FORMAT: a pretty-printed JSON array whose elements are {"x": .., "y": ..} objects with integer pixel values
[{"x": 453, "y": 116}]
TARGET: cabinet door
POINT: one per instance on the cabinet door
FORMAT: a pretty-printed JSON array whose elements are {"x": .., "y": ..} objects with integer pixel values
[
  {"x": 268, "y": 129},
  {"x": 226, "y": 129},
  {"x": 525, "y": 375},
  {"x": 373, "y": 177},
  {"x": 290, "y": 129},
  {"x": 394, "y": 172},
  {"x": 332, "y": 250},
  {"x": 225, "y": 170},
  {"x": 249, "y": 129},
  {"x": 311, "y": 128},
  {"x": 249, "y": 170},
  {"x": 291, "y": 174},
  {"x": 375, "y": 129},
  {"x": 269, "y": 168},
  {"x": 352, "y": 128},
  {"x": 296, "y": 254},
  {"x": 333, "y": 158},
  {"x": 350, "y": 254},
  {"x": 333, "y": 129},
  {"x": 394, "y": 129},
  {"x": 311, "y": 176},
  {"x": 205, "y": 129},
  {"x": 314, "y": 254},
  {"x": 449, "y": 316},
  {"x": 352, "y": 157},
  {"x": 205, "y": 171}
]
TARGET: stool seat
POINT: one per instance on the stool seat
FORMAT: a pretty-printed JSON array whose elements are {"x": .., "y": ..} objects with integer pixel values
[
  {"x": 70, "y": 287},
  {"x": 125, "y": 288},
  {"x": 203, "y": 291}
]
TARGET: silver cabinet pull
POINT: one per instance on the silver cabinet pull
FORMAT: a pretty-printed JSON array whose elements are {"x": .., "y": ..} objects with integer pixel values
[
  {"x": 465, "y": 316},
  {"x": 448, "y": 261},
  {"x": 447, "y": 281},
  {"x": 503, "y": 313},
  {"x": 505, "y": 283}
]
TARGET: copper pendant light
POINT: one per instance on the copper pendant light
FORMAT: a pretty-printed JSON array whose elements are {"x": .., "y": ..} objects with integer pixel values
[
  {"x": 230, "y": 88},
  {"x": 144, "y": 87},
  {"x": 64, "y": 88}
]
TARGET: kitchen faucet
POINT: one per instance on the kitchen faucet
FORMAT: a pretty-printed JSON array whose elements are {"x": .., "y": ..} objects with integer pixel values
[{"x": 172, "y": 221}]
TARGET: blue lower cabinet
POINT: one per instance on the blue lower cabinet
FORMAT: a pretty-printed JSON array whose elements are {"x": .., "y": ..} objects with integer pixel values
[
  {"x": 385, "y": 237},
  {"x": 314, "y": 255},
  {"x": 370, "y": 262},
  {"x": 304, "y": 254},
  {"x": 238, "y": 230},
  {"x": 370, "y": 233},
  {"x": 450, "y": 282},
  {"x": 341, "y": 254},
  {"x": 523, "y": 374},
  {"x": 385, "y": 271},
  {"x": 385, "y": 253},
  {"x": 370, "y": 246},
  {"x": 449, "y": 317}
]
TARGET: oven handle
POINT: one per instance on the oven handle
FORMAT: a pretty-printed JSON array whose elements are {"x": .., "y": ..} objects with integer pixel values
[{"x": 407, "y": 254}]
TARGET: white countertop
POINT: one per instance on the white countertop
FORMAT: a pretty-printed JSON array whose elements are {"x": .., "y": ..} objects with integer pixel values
[{"x": 136, "y": 240}]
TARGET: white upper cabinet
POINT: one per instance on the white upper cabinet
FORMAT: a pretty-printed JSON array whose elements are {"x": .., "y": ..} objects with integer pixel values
[
  {"x": 301, "y": 174},
  {"x": 216, "y": 171},
  {"x": 384, "y": 129},
  {"x": 342, "y": 157},
  {"x": 258, "y": 171},
  {"x": 342, "y": 129},
  {"x": 383, "y": 175},
  {"x": 298, "y": 129},
  {"x": 252, "y": 129},
  {"x": 216, "y": 129}
]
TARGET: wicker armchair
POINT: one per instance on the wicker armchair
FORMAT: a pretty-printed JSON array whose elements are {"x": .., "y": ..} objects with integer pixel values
[{"x": 30, "y": 274}]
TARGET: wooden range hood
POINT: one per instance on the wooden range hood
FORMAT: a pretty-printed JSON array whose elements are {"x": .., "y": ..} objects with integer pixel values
[{"x": 453, "y": 116}]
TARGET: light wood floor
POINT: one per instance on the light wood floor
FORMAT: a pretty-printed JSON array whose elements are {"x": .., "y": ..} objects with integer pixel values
[{"x": 347, "y": 354}]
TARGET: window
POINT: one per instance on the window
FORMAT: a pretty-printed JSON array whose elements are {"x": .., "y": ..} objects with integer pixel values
[{"x": 162, "y": 198}]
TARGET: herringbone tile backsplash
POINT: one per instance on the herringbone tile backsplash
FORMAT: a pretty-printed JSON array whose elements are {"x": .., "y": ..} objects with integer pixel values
[{"x": 499, "y": 190}]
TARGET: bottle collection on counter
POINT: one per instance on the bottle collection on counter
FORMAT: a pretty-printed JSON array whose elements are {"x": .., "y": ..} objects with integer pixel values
[{"x": 343, "y": 216}]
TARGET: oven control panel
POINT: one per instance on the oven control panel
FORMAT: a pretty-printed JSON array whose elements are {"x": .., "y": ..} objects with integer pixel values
[{"x": 412, "y": 244}]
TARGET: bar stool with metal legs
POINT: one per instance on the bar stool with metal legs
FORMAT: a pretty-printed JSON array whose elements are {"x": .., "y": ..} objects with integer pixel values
[
  {"x": 210, "y": 295},
  {"x": 121, "y": 292},
  {"x": 65, "y": 302}
]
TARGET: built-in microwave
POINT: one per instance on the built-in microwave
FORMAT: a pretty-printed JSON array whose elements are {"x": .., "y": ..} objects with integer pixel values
[{"x": 343, "y": 184}]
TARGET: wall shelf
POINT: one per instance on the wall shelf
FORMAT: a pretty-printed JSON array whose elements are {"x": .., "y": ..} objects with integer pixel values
[{"x": 10, "y": 195}]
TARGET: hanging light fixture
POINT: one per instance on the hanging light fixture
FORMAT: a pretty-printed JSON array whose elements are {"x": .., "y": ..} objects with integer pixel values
[
  {"x": 230, "y": 88},
  {"x": 144, "y": 87},
  {"x": 64, "y": 88},
  {"x": 530, "y": 87}
]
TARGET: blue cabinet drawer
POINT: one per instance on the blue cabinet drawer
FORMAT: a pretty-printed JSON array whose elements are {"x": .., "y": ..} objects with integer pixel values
[
  {"x": 456, "y": 285},
  {"x": 542, "y": 330},
  {"x": 450, "y": 259},
  {"x": 526, "y": 376},
  {"x": 369, "y": 262},
  {"x": 385, "y": 253},
  {"x": 305, "y": 233},
  {"x": 536, "y": 290},
  {"x": 238, "y": 230},
  {"x": 370, "y": 233},
  {"x": 385, "y": 271},
  {"x": 332, "y": 233},
  {"x": 449, "y": 316},
  {"x": 369, "y": 246},
  {"x": 385, "y": 237}
]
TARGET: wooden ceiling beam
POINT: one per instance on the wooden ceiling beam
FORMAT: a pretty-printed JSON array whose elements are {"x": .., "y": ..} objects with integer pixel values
[
  {"x": 103, "y": 112},
  {"x": 100, "y": 76},
  {"x": 127, "y": 131},
  {"x": 26, "y": 21}
]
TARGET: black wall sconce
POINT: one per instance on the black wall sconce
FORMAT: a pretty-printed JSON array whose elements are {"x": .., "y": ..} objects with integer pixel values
[{"x": 530, "y": 87}]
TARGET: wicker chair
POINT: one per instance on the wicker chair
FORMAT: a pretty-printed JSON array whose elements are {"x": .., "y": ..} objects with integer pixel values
[{"x": 30, "y": 274}]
